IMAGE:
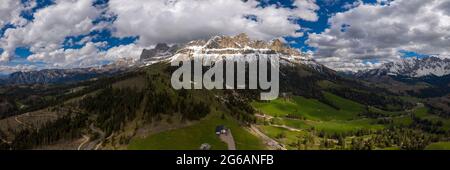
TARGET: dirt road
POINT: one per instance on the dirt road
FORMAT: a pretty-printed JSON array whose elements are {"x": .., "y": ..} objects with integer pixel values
[
  {"x": 95, "y": 144},
  {"x": 86, "y": 139},
  {"x": 229, "y": 140},
  {"x": 273, "y": 144},
  {"x": 287, "y": 127},
  {"x": 5, "y": 141}
]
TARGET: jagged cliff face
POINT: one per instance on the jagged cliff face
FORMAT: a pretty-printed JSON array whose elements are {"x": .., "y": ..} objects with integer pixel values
[
  {"x": 160, "y": 52},
  {"x": 240, "y": 47},
  {"x": 217, "y": 48}
]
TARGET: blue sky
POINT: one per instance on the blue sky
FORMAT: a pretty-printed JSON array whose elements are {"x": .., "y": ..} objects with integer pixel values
[
  {"x": 113, "y": 29},
  {"x": 327, "y": 8},
  {"x": 103, "y": 35}
]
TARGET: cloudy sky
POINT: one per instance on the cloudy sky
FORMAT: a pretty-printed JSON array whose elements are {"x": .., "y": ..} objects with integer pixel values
[{"x": 342, "y": 34}]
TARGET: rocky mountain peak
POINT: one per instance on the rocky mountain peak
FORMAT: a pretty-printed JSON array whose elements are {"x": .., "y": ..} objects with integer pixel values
[
  {"x": 242, "y": 41},
  {"x": 241, "y": 46},
  {"x": 277, "y": 45},
  {"x": 161, "y": 50},
  {"x": 218, "y": 42},
  {"x": 242, "y": 38},
  {"x": 162, "y": 47}
]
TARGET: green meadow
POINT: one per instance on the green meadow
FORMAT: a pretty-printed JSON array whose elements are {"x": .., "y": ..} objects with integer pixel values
[
  {"x": 318, "y": 115},
  {"x": 191, "y": 137},
  {"x": 439, "y": 146},
  {"x": 311, "y": 109},
  {"x": 315, "y": 117}
]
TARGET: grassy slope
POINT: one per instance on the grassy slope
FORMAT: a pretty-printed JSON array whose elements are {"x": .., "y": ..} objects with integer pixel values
[
  {"x": 318, "y": 115},
  {"x": 190, "y": 138},
  {"x": 333, "y": 126},
  {"x": 322, "y": 117},
  {"x": 439, "y": 146},
  {"x": 423, "y": 113},
  {"x": 290, "y": 136},
  {"x": 311, "y": 108}
]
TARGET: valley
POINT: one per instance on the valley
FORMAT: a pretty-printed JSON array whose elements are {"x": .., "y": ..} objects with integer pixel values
[
  {"x": 301, "y": 123},
  {"x": 138, "y": 109}
]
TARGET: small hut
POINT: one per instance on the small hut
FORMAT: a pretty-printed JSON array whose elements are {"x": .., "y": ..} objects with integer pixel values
[{"x": 221, "y": 130}]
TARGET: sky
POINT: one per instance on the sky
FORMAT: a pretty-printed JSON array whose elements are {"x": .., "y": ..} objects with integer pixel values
[{"x": 345, "y": 35}]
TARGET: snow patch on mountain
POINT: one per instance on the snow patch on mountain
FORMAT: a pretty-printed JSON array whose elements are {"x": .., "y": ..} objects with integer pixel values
[
  {"x": 241, "y": 48},
  {"x": 412, "y": 67}
]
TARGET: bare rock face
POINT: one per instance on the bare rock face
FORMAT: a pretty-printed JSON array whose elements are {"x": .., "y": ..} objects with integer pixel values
[
  {"x": 196, "y": 43},
  {"x": 277, "y": 46},
  {"x": 242, "y": 39},
  {"x": 161, "y": 50},
  {"x": 259, "y": 44},
  {"x": 229, "y": 47},
  {"x": 222, "y": 42}
]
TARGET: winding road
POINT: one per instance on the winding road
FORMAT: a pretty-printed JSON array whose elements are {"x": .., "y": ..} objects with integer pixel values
[
  {"x": 269, "y": 141},
  {"x": 287, "y": 127},
  {"x": 5, "y": 141},
  {"x": 86, "y": 139},
  {"x": 20, "y": 122},
  {"x": 94, "y": 144},
  {"x": 228, "y": 139},
  {"x": 16, "y": 118},
  {"x": 267, "y": 117}
]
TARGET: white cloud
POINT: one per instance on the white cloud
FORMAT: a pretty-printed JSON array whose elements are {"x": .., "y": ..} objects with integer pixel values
[
  {"x": 123, "y": 51},
  {"x": 51, "y": 25},
  {"x": 4, "y": 56},
  {"x": 16, "y": 68},
  {"x": 183, "y": 20},
  {"x": 306, "y": 9},
  {"x": 379, "y": 32},
  {"x": 87, "y": 56},
  {"x": 171, "y": 21},
  {"x": 349, "y": 5},
  {"x": 10, "y": 12},
  {"x": 63, "y": 58}
]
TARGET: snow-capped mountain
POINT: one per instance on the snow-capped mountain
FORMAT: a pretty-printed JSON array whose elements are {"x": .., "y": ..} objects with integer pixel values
[
  {"x": 411, "y": 67},
  {"x": 161, "y": 51},
  {"x": 241, "y": 47},
  {"x": 235, "y": 48}
]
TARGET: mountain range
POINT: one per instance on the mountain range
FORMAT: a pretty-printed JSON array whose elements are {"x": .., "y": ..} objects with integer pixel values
[
  {"x": 135, "y": 106},
  {"x": 430, "y": 69},
  {"x": 424, "y": 77},
  {"x": 411, "y": 67},
  {"x": 49, "y": 76}
]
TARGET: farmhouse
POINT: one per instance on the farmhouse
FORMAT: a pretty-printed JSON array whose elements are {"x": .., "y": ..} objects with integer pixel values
[{"x": 221, "y": 130}]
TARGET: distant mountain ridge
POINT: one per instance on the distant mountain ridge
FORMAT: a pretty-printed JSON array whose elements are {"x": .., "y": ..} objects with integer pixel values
[
  {"x": 48, "y": 76},
  {"x": 51, "y": 76},
  {"x": 216, "y": 48},
  {"x": 425, "y": 77},
  {"x": 411, "y": 67}
]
